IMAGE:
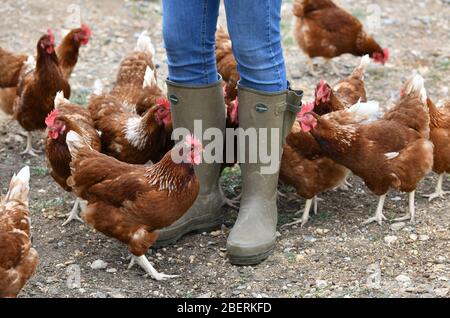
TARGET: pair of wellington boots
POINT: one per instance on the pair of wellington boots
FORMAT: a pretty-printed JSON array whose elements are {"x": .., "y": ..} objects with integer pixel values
[{"x": 254, "y": 234}]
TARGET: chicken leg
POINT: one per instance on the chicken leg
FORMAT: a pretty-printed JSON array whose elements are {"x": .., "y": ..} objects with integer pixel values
[
  {"x": 29, "y": 150},
  {"x": 379, "y": 217},
  {"x": 305, "y": 217},
  {"x": 438, "y": 193},
  {"x": 311, "y": 67},
  {"x": 330, "y": 63},
  {"x": 316, "y": 201},
  {"x": 232, "y": 203},
  {"x": 412, "y": 210},
  {"x": 73, "y": 214},
  {"x": 345, "y": 185},
  {"x": 143, "y": 262}
]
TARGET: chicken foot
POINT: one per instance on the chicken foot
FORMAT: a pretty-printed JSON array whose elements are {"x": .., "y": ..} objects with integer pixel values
[
  {"x": 412, "y": 210},
  {"x": 333, "y": 66},
  {"x": 439, "y": 192},
  {"x": 73, "y": 214},
  {"x": 305, "y": 217},
  {"x": 232, "y": 203},
  {"x": 29, "y": 149},
  {"x": 379, "y": 217},
  {"x": 144, "y": 263}
]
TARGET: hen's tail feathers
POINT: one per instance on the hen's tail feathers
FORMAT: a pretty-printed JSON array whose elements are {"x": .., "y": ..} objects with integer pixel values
[
  {"x": 149, "y": 78},
  {"x": 365, "y": 113},
  {"x": 75, "y": 143},
  {"x": 144, "y": 44},
  {"x": 415, "y": 87},
  {"x": 19, "y": 186},
  {"x": 60, "y": 99},
  {"x": 98, "y": 88},
  {"x": 361, "y": 69}
]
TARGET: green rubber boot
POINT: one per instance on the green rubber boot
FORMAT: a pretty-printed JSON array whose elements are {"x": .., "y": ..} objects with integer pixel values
[
  {"x": 203, "y": 103},
  {"x": 253, "y": 236}
]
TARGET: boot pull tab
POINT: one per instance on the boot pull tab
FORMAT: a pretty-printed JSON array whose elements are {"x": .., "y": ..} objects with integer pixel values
[{"x": 174, "y": 99}]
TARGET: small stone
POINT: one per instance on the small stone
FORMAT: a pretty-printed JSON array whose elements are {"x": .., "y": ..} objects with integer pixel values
[
  {"x": 216, "y": 233},
  {"x": 395, "y": 199},
  {"x": 413, "y": 237},
  {"x": 99, "y": 264},
  {"x": 374, "y": 278},
  {"x": 424, "y": 237},
  {"x": 111, "y": 270},
  {"x": 321, "y": 284},
  {"x": 207, "y": 295},
  {"x": 398, "y": 226},
  {"x": 389, "y": 239},
  {"x": 309, "y": 238},
  {"x": 403, "y": 279},
  {"x": 99, "y": 295},
  {"x": 116, "y": 294},
  {"x": 441, "y": 292}
]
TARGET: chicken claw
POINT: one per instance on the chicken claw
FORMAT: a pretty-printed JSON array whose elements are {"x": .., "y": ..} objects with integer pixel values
[
  {"x": 73, "y": 214},
  {"x": 305, "y": 217},
  {"x": 379, "y": 217},
  {"x": 29, "y": 149},
  {"x": 438, "y": 193},
  {"x": 232, "y": 203},
  {"x": 143, "y": 262},
  {"x": 412, "y": 210}
]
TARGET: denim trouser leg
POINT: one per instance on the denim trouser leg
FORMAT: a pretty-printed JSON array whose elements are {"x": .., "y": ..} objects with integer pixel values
[
  {"x": 189, "y": 29},
  {"x": 254, "y": 27},
  {"x": 189, "y": 34}
]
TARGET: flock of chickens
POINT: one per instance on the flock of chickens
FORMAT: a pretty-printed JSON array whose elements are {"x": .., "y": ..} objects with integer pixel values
[{"x": 115, "y": 154}]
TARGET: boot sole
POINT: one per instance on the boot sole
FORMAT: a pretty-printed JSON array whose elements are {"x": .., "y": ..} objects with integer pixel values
[
  {"x": 250, "y": 260},
  {"x": 190, "y": 229}
]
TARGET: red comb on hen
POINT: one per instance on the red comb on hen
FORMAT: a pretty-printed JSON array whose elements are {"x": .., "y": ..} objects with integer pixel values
[
  {"x": 164, "y": 102},
  {"x": 87, "y": 30},
  {"x": 50, "y": 120},
  {"x": 51, "y": 36}
]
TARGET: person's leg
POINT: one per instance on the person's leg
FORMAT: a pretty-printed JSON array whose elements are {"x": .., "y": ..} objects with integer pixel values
[
  {"x": 254, "y": 27},
  {"x": 255, "y": 31},
  {"x": 195, "y": 92},
  {"x": 189, "y": 37}
]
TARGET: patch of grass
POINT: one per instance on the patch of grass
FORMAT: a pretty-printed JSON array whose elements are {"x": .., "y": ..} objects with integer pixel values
[
  {"x": 39, "y": 206},
  {"x": 291, "y": 256},
  {"x": 231, "y": 179},
  {"x": 288, "y": 41},
  {"x": 285, "y": 218},
  {"x": 361, "y": 15},
  {"x": 80, "y": 97},
  {"x": 39, "y": 171},
  {"x": 444, "y": 65},
  {"x": 322, "y": 215}
]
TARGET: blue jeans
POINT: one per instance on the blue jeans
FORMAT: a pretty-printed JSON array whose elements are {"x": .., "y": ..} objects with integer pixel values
[{"x": 189, "y": 29}]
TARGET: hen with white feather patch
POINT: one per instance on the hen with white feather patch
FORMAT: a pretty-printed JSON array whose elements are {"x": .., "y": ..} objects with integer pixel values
[{"x": 393, "y": 152}]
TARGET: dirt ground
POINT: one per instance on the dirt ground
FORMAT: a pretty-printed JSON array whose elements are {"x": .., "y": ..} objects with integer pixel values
[{"x": 332, "y": 256}]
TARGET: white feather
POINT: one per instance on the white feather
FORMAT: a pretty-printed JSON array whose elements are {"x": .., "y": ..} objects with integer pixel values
[
  {"x": 19, "y": 185},
  {"x": 98, "y": 87},
  {"x": 417, "y": 84},
  {"x": 60, "y": 99},
  {"x": 30, "y": 64},
  {"x": 365, "y": 62},
  {"x": 149, "y": 78},
  {"x": 74, "y": 142},
  {"x": 391, "y": 155},
  {"x": 24, "y": 174},
  {"x": 365, "y": 113},
  {"x": 144, "y": 44}
]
